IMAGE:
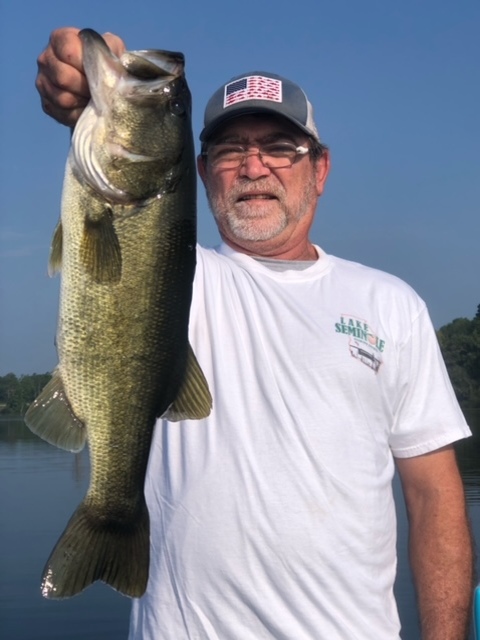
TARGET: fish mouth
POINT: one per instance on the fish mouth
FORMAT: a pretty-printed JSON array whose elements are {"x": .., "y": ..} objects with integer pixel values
[
  {"x": 154, "y": 65},
  {"x": 142, "y": 82}
]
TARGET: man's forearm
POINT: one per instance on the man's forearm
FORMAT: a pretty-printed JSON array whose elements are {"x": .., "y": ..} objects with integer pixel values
[
  {"x": 441, "y": 546},
  {"x": 442, "y": 559}
]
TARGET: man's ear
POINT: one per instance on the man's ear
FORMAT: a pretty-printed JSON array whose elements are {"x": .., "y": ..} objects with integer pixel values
[
  {"x": 322, "y": 170},
  {"x": 201, "y": 168}
]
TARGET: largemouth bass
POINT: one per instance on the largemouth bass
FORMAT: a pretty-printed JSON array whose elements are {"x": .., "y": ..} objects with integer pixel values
[{"x": 126, "y": 249}]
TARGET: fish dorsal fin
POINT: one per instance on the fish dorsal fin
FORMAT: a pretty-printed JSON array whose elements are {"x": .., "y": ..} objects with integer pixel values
[
  {"x": 193, "y": 400},
  {"x": 100, "y": 251},
  {"x": 51, "y": 417},
  {"x": 55, "y": 262}
]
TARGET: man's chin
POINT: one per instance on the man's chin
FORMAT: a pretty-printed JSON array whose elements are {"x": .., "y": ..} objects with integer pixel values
[
  {"x": 256, "y": 209},
  {"x": 254, "y": 230}
]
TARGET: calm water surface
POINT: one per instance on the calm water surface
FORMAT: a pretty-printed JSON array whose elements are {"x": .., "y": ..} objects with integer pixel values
[{"x": 41, "y": 486}]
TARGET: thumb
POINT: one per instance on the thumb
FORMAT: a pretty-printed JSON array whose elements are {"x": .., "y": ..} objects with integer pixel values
[{"x": 115, "y": 43}]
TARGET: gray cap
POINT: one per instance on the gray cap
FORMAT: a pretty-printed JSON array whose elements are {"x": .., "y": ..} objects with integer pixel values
[{"x": 259, "y": 92}]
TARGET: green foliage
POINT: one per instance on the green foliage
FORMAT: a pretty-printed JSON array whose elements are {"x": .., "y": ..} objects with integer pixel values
[
  {"x": 460, "y": 345},
  {"x": 16, "y": 394}
]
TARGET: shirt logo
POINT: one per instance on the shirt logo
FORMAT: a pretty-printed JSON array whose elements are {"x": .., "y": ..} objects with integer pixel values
[
  {"x": 252, "y": 88},
  {"x": 364, "y": 344}
]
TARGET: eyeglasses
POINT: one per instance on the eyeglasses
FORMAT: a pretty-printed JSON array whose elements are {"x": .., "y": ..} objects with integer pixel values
[{"x": 274, "y": 155}]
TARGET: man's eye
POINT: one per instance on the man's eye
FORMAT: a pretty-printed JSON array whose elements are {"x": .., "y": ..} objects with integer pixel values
[
  {"x": 234, "y": 148},
  {"x": 279, "y": 149},
  {"x": 225, "y": 151}
]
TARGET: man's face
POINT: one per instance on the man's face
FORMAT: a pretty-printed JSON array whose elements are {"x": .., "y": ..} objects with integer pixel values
[{"x": 257, "y": 208}]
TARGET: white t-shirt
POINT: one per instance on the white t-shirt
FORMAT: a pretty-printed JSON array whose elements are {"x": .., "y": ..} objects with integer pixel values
[{"x": 274, "y": 517}]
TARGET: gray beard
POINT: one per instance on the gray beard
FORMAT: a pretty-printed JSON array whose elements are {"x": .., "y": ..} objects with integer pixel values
[
  {"x": 246, "y": 228},
  {"x": 257, "y": 228}
]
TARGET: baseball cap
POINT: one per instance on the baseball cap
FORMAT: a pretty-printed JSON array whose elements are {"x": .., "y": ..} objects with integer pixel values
[{"x": 259, "y": 92}]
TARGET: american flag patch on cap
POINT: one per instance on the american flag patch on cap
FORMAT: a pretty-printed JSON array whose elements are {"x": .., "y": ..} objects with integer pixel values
[{"x": 252, "y": 88}]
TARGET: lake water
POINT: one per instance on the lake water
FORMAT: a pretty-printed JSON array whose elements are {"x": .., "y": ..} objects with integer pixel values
[{"x": 41, "y": 485}]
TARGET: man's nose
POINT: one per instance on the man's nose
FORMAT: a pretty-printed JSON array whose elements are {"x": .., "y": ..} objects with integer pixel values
[{"x": 252, "y": 166}]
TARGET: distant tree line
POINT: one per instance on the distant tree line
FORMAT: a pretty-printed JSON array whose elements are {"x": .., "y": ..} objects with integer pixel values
[
  {"x": 459, "y": 341},
  {"x": 460, "y": 345},
  {"x": 17, "y": 393}
]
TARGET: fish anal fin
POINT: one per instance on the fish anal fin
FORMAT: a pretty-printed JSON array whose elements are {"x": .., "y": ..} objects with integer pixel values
[
  {"x": 51, "y": 417},
  {"x": 99, "y": 546},
  {"x": 193, "y": 400},
  {"x": 100, "y": 251},
  {"x": 55, "y": 261}
]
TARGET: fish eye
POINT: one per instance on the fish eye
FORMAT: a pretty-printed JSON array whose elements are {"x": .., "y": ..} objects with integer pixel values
[{"x": 177, "y": 107}]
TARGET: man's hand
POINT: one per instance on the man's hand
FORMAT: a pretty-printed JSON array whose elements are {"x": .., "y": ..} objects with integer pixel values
[{"x": 61, "y": 80}]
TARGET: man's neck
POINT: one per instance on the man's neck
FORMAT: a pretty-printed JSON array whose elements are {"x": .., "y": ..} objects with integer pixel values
[{"x": 300, "y": 251}]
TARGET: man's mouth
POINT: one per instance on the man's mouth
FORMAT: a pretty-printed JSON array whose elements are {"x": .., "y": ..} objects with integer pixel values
[{"x": 256, "y": 196}]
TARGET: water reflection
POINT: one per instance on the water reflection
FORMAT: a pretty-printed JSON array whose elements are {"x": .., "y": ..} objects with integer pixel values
[
  {"x": 469, "y": 462},
  {"x": 42, "y": 487},
  {"x": 14, "y": 430},
  {"x": 18, "y": 442},
  {"x": 468, "y": 456}
]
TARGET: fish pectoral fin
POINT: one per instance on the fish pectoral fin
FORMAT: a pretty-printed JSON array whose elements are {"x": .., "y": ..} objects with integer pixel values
[
  {"x": 55, "y": 261},
  {"x": 100, "y": 251},
  {"x": 51, "y": 418},
  {"x": 193, "y": 400}
]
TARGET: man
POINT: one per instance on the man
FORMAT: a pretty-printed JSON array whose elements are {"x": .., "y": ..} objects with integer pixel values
[{"x": 274, "y": 517}]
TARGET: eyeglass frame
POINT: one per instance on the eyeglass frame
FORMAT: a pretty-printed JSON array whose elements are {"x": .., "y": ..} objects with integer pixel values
[{"x": 300, "y": 152}]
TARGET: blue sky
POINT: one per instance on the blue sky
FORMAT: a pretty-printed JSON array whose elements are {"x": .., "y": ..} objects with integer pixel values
[{"x": 396, "y": 91}]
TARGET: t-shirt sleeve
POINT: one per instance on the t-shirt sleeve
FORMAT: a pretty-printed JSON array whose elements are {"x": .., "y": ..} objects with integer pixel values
[{"x": 427, "y": 415}]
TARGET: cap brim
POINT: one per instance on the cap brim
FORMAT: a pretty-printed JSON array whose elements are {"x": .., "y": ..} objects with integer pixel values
[{"x": 207, "y": 132}]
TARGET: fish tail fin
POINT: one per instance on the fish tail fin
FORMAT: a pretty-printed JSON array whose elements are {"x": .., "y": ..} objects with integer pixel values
[{"x": 93, "y": 548}]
